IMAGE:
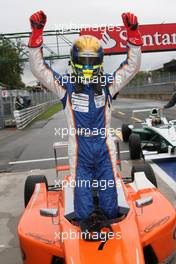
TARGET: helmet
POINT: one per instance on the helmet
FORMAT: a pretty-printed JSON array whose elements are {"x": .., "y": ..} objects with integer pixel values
[
  {"x": 87, "y": 57},
  {"x": 154, "y": 112}
]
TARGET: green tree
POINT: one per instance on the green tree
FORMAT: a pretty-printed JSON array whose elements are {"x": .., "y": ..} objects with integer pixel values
[{"x": 11, "y": 66}]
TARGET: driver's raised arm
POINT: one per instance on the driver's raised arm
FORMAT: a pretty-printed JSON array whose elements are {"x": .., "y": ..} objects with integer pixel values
[
  {"x": 50, "y": 79},
  {"x": 131, "y": 65}
]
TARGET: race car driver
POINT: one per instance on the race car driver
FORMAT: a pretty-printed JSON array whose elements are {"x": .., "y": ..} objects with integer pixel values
[
  {"x": 155, "y": 117},
  {"x": 87, "y": 103}
]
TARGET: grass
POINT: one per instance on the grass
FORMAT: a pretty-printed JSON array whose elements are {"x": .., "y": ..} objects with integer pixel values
[{"x": 50, "y": 112}]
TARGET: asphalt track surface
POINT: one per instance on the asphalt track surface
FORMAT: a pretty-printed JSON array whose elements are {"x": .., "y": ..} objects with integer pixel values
[
  {"x": 30, "y": 151},
  {"x": 32, "y": 148}
]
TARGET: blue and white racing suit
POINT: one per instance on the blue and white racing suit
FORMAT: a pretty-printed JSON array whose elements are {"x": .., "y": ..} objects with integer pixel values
[{"x": 91, "y": 155}]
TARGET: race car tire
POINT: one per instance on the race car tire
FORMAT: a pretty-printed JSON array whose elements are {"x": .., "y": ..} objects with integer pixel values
[
  {"x": 147, "y": 169},
  {"x": 30, "y": 186},
  {"x": 135, "y": 146},
  {"x": 149, "y": 255},
  {"x": 126, "y": 132},
  {"x": 58, "y": 260}
]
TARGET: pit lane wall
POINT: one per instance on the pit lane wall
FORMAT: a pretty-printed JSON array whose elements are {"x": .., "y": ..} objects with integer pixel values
[
  {"x": 158, "y": 91},
  {"x": 8, "y": 103},
  {"x": 25, "y": 116}
]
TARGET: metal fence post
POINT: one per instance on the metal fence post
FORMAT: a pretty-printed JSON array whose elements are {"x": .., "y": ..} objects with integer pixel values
[
  {"x": 11, "y": 103},
  {"x": 2, "y": 125}
]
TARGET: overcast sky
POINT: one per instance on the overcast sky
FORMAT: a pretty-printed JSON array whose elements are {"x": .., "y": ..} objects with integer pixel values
[{"x": 15, "y": 14}]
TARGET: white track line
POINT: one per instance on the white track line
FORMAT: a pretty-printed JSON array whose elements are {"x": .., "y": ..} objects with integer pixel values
[
  {"x": 48, "y": 159},
  {"x": 136, "y": 119},
  {"x": 124, "y": 151},
  {"x": 36, "y": 160},
  {"x": 121, "y": 113},
  {"x": 164, "y": 176}
]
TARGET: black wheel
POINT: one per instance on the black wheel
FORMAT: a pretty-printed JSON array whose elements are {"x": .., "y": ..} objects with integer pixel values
[
  {"x": 135, "y": 146},
  {"x": 58, "y": 260},
  {"x": 126, "y": 132},
  {"x": 30, "y": 186},
  {"x": 147, "y": 169},
  {"x": 149, "y": 255}
]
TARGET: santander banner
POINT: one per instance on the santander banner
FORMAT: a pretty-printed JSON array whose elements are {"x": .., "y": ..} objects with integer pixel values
[{"x": 156, "y": 38}]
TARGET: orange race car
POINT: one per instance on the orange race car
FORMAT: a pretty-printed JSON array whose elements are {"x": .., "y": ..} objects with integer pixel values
[{"x": 143, "y": 232}]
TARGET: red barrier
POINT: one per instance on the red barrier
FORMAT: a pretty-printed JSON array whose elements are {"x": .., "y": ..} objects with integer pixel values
[{"x": 156, "y": 38}]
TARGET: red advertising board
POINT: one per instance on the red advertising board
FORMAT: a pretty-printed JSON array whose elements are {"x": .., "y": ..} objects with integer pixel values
[{"x": 156, "y": 38}]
